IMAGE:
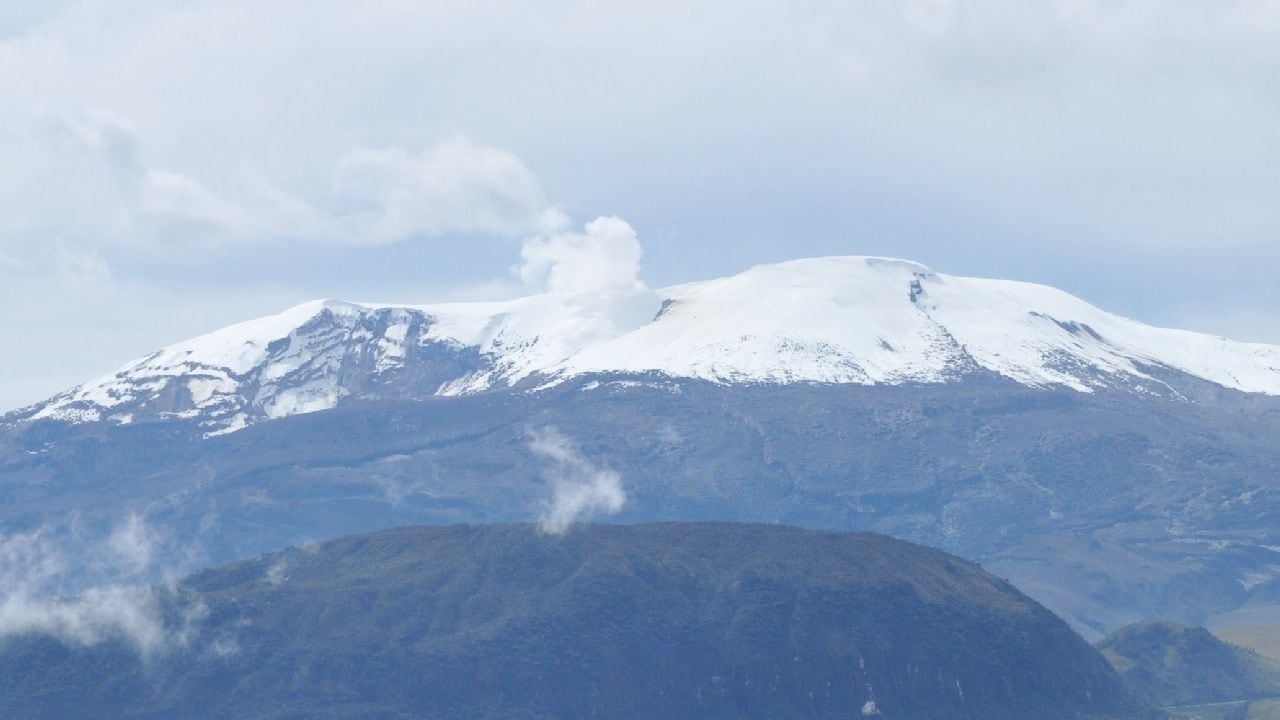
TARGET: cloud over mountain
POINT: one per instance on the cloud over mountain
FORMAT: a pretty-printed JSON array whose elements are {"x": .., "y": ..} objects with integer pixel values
[{"x": 580, "y": 489}]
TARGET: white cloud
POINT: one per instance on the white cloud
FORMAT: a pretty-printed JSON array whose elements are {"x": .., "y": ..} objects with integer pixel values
[
  {"x": 95, "y": 615},
  {"x": 133, "y": 543},
  {"x": 79, "y": 268},
  {"x": 277, "y": 572},
  {"x": 456, "y": 187},
  {"x": 87, "y": 177},
  {"x": 168, "y": 195},
  {"x": 1044, "y": 112},
  {"x": 85, "y": 590},
  {"x": 580, "y": 489}
]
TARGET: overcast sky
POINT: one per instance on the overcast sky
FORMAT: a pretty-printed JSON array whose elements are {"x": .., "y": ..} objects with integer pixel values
[{"x": 177, "y": 166}]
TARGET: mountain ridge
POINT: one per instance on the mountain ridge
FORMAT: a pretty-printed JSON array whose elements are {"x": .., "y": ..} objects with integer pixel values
[{"x": 837, "y": 320}]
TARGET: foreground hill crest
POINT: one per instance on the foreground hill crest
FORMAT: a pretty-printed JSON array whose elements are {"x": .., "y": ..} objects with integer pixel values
[
  {"x": 673, "y": 620},
  {"x": 843, "y": 320}
]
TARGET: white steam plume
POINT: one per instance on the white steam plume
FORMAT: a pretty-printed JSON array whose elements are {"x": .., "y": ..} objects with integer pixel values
[
  {"x": 603, "y": 260},
  {"x": 580, "y": 488},
  {"x": 593, "y": 276}
]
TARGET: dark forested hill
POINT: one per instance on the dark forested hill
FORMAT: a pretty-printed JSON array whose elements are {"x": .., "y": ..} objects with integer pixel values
[
  {"x": 608, "y": 621},
  {"x": 1173, "y": 664}
]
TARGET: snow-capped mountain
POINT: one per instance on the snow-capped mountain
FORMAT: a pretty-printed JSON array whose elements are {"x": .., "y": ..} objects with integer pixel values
[
  {"x": 847, "y": 320},
  {"x": 1115, "y": 470}
]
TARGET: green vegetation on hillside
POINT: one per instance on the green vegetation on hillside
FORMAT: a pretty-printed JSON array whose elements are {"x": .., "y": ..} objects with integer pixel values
[
  {"x": 1176, "y": 665},
  {"x": 652, "y": 621}
]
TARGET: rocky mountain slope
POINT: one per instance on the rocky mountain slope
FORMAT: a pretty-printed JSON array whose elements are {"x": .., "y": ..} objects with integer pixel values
[
  {"x": 669, "y": 620},
  {"x": 842, "y": 320}
]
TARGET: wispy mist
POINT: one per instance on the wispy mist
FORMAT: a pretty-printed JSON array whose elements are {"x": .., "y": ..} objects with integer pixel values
[
  {"x": 580, "y": 488},
  {"x": 84, "y": 587}
]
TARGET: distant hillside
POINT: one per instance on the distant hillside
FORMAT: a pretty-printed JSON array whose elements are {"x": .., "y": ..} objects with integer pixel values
[
  {"x": 1058, "y": 491},
  {"x": 1173, "y": 664},
  {"x": 652, "y": 621},
  {"x": 1262, "y": 638}
]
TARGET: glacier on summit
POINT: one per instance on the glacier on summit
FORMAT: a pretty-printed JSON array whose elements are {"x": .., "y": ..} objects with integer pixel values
[{"x": 847, "y": 320}]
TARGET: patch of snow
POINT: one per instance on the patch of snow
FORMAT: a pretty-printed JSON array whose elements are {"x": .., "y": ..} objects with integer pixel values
[
  {"x": 391, "y": 346},
  {"x": 70, "y": 414},
  {"x": 309, "y": 398},
  {"x": 203, "y": 389},
  {"x": 238, "y": 422}
]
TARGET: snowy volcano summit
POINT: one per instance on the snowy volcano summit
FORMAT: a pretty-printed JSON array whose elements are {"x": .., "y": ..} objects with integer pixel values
[{"x": 845, "y": 320}]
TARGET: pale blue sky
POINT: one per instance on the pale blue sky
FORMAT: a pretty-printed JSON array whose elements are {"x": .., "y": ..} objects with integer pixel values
[{"x": 177, "y": 166}]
